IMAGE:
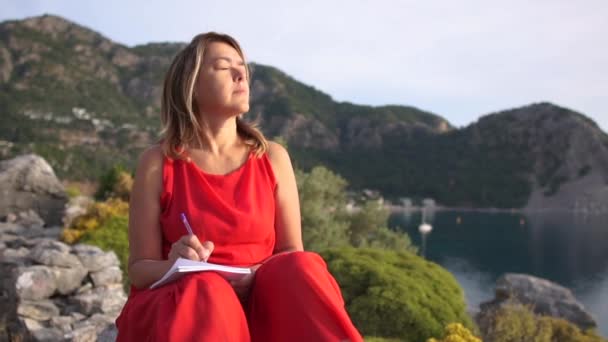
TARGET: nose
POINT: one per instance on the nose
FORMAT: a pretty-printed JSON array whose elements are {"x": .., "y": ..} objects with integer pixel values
[{"x": 239, "y": 75}]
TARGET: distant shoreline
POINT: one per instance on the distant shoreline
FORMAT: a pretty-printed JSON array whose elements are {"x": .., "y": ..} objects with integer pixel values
[{"x": 395, "y": 209}]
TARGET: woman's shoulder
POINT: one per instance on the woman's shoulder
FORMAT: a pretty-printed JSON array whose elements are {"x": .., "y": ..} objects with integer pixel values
[
  {"x": 151, "y": 157},
  {"x": 150, "y": 164},
  {"x": 279, "y": 158},
  {"x": 277, "y": 153}
]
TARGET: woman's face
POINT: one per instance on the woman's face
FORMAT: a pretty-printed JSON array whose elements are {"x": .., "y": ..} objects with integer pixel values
[{"x": 222, "y": 87}]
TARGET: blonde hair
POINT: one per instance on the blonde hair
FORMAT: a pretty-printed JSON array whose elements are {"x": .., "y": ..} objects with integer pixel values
[{"x": 180, "y": 126}]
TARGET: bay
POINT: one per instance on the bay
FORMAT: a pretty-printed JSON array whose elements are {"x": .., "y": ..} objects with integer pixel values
[{"x": 570, "y": 249}]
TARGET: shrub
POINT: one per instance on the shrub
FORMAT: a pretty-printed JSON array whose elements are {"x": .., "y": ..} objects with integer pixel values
[
  {"x": 105, "y": 224},
  {"x": 396, "y": 294},
  {"x": 117, "y": 182},
  {"x": 517, "y": 322},
  {"x": 72, "y": 191},
  {"x": 96, "y": 216},
  {"x": 456, "y": 332}
]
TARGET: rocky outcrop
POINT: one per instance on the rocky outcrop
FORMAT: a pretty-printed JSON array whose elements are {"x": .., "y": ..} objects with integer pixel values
[
  {"x": 51, "y": 291},
  {"x": 545, "y": 297},
  {"x": 545, "y": 156},
  {"x": 28, "y": 184},
  {"x": 305, "y": 132}
]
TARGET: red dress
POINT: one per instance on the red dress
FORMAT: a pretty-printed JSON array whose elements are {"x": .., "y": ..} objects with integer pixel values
[{"x": 293, "y": 296}]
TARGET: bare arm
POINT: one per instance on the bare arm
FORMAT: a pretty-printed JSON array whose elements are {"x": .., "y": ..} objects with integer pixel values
[
  {"x": 145, "y": 238},
  {"x": 287, "y": 214}
]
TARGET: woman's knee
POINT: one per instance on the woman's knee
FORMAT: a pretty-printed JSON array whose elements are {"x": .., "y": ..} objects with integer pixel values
[{"x": 294, "y": 265}]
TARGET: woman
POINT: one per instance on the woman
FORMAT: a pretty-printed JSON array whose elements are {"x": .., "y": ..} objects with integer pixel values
[{"x": 239, "y": 193}]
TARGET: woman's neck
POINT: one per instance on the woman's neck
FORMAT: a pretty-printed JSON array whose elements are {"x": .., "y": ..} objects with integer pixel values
[{"x": 218, "y": 137}]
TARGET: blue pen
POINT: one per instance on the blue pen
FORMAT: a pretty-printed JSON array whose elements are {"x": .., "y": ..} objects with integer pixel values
[{"x": 185, "y": 220}]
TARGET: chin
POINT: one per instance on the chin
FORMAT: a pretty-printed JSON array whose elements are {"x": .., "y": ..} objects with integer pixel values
[{"x": 243, "y": 109}]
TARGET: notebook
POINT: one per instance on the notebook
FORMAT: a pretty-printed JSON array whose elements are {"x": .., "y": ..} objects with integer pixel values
[{"x": 182, "y": 266}]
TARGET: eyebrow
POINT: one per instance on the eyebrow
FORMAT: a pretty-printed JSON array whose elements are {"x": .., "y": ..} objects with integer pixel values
[{"x": 227, "y": 59}]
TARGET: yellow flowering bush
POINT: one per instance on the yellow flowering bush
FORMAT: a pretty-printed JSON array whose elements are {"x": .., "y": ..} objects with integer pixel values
[
  {"x": 97, "y": 214},
  {"x": 516, "y": 322},
  {"x": 456, "y": 332}
]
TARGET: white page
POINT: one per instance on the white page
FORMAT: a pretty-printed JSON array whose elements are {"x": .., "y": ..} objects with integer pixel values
[{"x": 181, "y": 266}]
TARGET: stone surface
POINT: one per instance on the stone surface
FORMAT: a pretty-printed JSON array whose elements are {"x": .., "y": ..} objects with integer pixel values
[
  {"x": 99, "y": 300},
  {"x": 47, "y": 334},
  {"x": 50, "y": 291},
  {"x": 69, "y": 279},
  {"x": 54, "y": 253},
  {"x": 14, "y": 255},
  {"x": 42, "y": 310},
  {"x": 86, "y": 333},
  {"x": 63, "y": 323},
  {"x": 35, "y": 282},
  {"x": 93, "y": 258},
  {"x": 107, "y": 276},
  {"x": 28, "y": 183},
  {"x": 547, "y": 298}
]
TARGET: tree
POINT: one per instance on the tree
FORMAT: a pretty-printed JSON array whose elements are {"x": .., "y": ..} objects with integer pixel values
[{"x": 325, "y": 222}]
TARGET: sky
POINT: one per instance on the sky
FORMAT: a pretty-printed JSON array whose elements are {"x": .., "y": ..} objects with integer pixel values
[{"x": 458, "y": 59}]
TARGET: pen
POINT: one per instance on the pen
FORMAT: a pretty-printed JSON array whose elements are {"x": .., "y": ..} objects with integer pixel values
[{"x": 185, "y": 221}]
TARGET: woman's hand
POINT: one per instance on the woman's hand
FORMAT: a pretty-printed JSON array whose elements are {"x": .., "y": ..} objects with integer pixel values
[
  {"x": 189, "y": 247},
  {"x": 243, "y": 285}
]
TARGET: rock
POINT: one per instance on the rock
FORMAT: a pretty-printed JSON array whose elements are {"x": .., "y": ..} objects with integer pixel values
[
  {"x": 75, "y": 207},
  {"x": 41, "y": 310},
  {"x": 63, "y": 323},
  {"x": 29, "y": 219},
  {"x": 35, "y": 282},
  {"x": 53, "y": 233},
  {"x": 69, "y": 279},
  {"x": 84, "y": 334},
  {"x": 108, "y": 334},
  {"x": 10, "y": 217},
  {"x": 10, "y": 228},
  {"x": 547, "y": 298},
  {"x": 51, "y": 244},
  {"x": 99, "y": 321},
  {"x": 93, "y": 258},
  {"x": 54, "y": 253},
  {"x": 34, "y": 331},
  {"x": 85, "y": 288},
  {"x": 107, "y": 276},
  {"x": 31, "y": 241},
  {"x": 31, "y": 324},
  {"x": 47, "y": 334},
  {"x": 28, "y": 182},
  {"x": 77, "y": 316},
  {"x": 14, "y": 255},
  {"x": 99, "y": 300},
  {"x": 60, "y": 300}
]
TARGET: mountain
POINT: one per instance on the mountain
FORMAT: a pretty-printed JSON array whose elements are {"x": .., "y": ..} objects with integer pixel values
[{"x": 86, "y": 103}]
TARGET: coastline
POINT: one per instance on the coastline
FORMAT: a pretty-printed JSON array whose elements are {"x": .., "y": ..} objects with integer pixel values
[{"x": 396, "y": 209}]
